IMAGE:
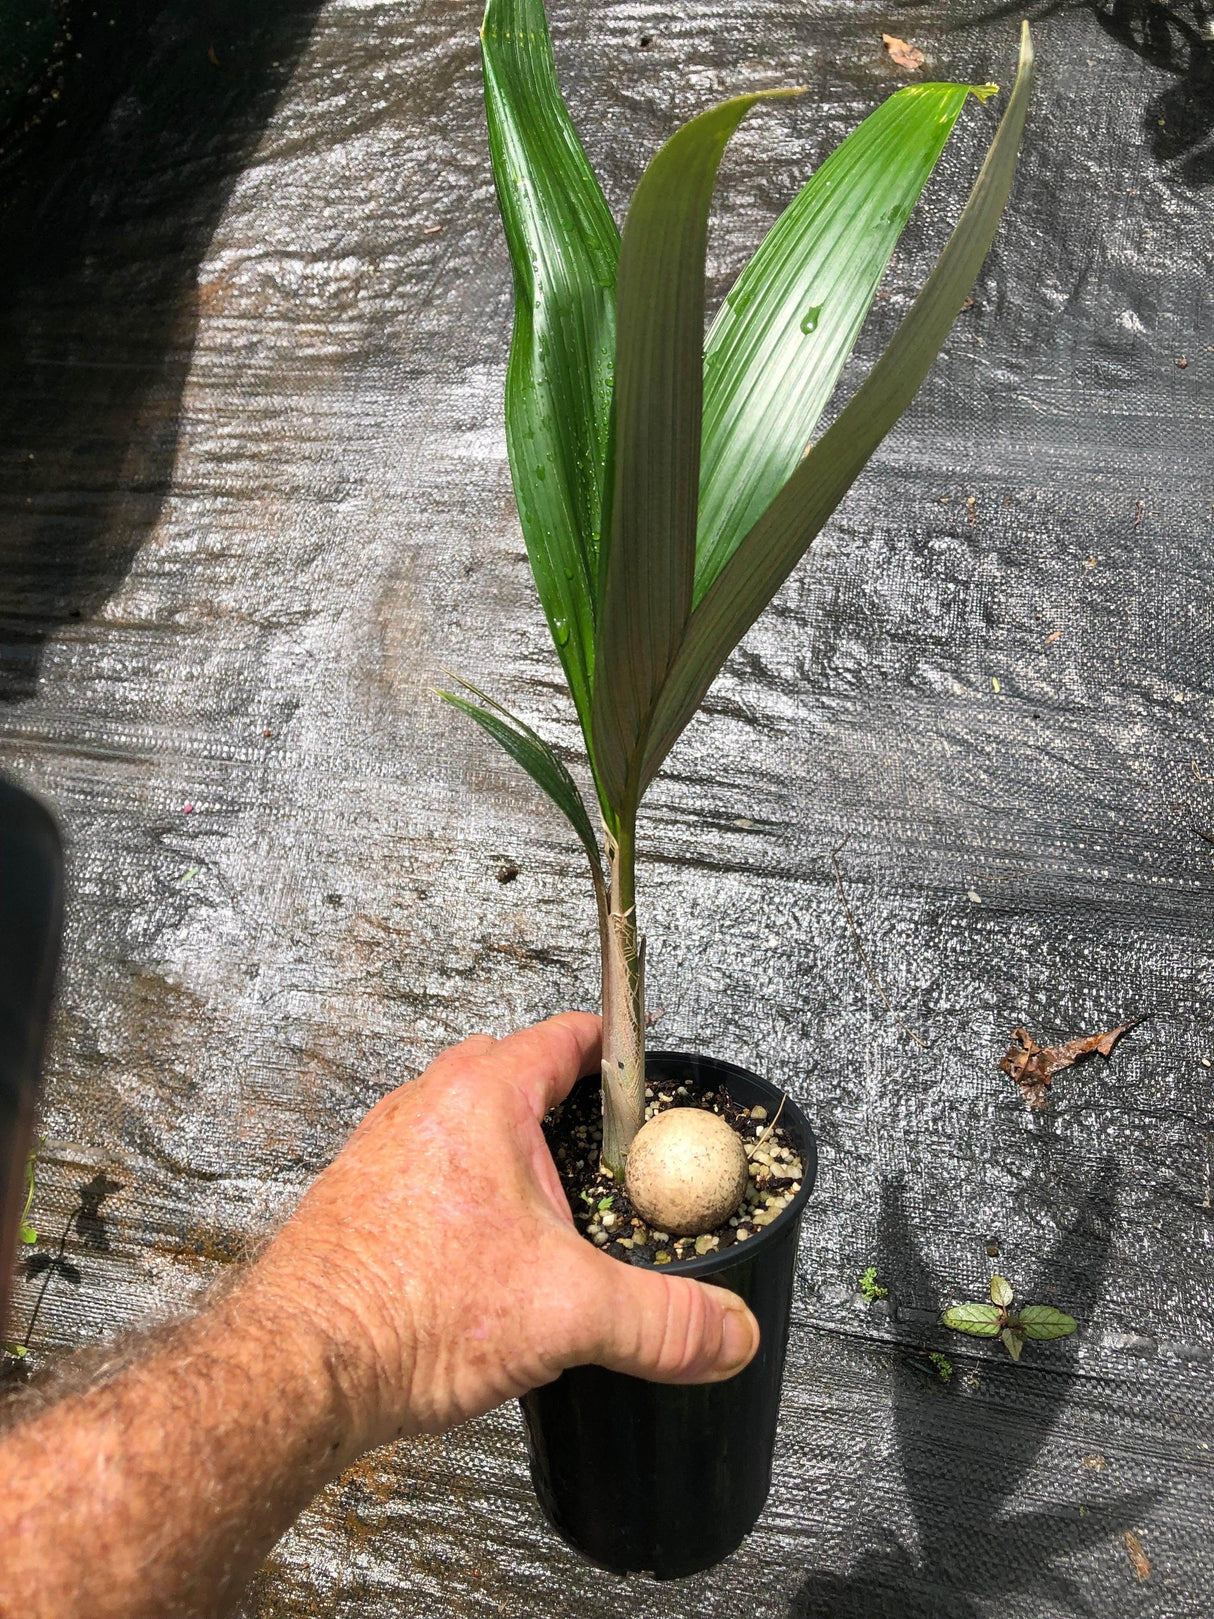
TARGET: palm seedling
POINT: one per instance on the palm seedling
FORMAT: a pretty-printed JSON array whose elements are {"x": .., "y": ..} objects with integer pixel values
[{"x": 668, "y": 483}]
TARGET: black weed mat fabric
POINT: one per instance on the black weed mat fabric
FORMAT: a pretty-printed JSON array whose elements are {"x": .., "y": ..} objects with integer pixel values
[{"x": 254, "y": 315}]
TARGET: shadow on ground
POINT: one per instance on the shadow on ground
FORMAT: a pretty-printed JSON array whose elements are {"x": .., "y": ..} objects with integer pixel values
[
  {"x": 965, "y": 1452},
  {"x": 1178, "y": 39},
  {"x": 1173, "y": 36},
  {"x": 115, "y": 170},
  {"x": 91, "y": 1228}
]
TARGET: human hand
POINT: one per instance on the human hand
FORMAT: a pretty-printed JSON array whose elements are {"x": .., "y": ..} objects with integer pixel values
[{"x": 437, "y": 1256}]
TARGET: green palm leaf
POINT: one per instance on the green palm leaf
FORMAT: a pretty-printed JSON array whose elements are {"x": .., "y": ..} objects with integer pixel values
[
  {"x": 764, "y": 559},
  {"x": 537, "y": 759},
  {"x": 784, "y": 332},
  {"x": 564, "y": 247},
  {"x": 649, "y": 566}
]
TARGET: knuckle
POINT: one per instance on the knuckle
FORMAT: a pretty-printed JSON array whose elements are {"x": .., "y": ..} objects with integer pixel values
[
  {"x": 570, "y": 1047},
  {"x": 474, "y": 1046},
  {"x": 385, "y": 1110},
  {"x": 683, "y": 1328},
  {"x": 460, "y": 1056}
]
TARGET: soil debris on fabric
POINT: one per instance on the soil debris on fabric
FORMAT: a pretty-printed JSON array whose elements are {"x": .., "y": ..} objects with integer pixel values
[
  {"x": 1033, "y": 1067},
  {"x": 1138, "y": 1557},
  {"x": 902, "y": 54},
  {"x": 602, "y": 1210}
]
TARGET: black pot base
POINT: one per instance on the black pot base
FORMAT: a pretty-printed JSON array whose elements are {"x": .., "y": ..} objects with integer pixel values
[{"x": 668, "y": 1572}]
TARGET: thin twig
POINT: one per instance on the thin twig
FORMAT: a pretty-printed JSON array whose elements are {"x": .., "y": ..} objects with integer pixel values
[
  {"x": 910, "y": 1034},
  {"x": 1011, "y": 877},
  {"x": 750, "y": 1151}
]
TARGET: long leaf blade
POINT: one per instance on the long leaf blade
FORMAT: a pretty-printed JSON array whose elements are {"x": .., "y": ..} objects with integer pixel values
[
  {"x": 776, "y": 543},
  {"x": 564, "y": 248},
  {"x": 649, "y": 566},
  {"x": 528, "y": 749},
  {"x": 785, "y": 330}
]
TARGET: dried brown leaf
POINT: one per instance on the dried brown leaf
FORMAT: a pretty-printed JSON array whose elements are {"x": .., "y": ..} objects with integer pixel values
[
  {"x": 1139, "y": 1558},
  {"x": 906, "y": 56},
  {"x": 1033, "y": 1067}
]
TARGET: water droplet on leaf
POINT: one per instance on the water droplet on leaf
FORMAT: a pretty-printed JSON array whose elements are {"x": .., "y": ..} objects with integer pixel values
[{"x": 809, "y": 320}]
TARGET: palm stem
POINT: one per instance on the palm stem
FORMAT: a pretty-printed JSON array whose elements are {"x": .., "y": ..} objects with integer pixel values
[{"x": 623, "y": 1004}]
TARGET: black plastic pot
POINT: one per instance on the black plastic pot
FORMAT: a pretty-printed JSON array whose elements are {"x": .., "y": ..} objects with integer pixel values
[{"x": 654, "y": 1478}]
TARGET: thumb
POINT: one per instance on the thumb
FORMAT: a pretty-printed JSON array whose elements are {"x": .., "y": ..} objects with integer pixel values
[{"x": 668, "y": 1329}]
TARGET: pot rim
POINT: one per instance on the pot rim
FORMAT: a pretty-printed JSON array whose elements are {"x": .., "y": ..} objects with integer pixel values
[{"x": 707, "y": 1265}]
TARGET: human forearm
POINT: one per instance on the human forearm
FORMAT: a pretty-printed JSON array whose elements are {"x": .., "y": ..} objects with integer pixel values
[
  {"x": 432, "y": 1271},
  {"x": 158, "y": 1491}
]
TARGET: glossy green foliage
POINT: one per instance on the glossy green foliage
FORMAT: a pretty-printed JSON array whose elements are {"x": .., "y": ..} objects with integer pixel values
[
  {"x": 649, "y": 565},
  {"x": 564, "y": 248},
  {"x": 785, "y": 330},
  {"x": 663, "y": 483},
  {"x": 761, "y": 562},
  {"x": 536, "y": 758}
]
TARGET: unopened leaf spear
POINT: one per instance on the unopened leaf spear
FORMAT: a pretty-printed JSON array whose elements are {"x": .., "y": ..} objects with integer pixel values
[{"x": 668, "y": 483}]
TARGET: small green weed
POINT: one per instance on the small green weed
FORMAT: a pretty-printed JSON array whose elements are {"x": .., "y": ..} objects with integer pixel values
[
  {"x": 998, "y": 1319},
  {"x": 870, "y": 1286},
  {"x": 28, "y": 1234}
]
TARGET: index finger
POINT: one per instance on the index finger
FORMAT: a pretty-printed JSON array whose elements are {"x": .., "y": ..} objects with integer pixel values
[{"x": 545, "y": 1060}]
